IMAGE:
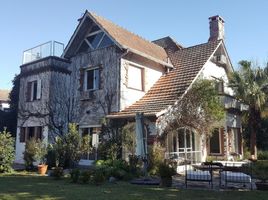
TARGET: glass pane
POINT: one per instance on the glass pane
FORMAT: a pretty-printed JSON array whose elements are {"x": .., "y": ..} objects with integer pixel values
[
  {"x": 106, "y": 41},
  {"x": 34, "y": 90},
  {"x": 84, "y": 47},
  {"x": 90, "y": 77},
  {"x": 215, "y": 142},
  {"x": 135, "y": 77},
  {"x": 94, "y": 28},
  {"x": 96, "y": 78},
  {"x": 181, "y": 139},
  {"x": 95, "y": 39}
]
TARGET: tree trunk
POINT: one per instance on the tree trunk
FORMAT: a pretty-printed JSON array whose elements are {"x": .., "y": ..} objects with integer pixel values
[{"x": 253, "y": 146}]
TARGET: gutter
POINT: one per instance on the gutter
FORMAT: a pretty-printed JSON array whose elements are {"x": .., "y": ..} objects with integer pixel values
[{"x": 129, "y": 115}]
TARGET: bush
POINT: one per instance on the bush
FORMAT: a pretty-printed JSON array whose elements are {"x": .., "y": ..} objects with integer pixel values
[
  {"x": 156, "y": 156},
  {"x": 29, "y": 153},
  {"x": 6, "y": 151},
  {"x": 166, "y": 171},
  {"x": 85, "y": 176},
  {"x": 57, "y": 172},
  {"x": 263, "y": 155},
  {"x": 98, "y": 177},
  {"x": 260, "y": 169},
  {"x": 75, "y": 173}
]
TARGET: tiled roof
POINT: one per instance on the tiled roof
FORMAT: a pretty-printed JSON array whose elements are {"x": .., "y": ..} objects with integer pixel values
[
  {"x": 187, "y": 62},
  {"x": 130, "y": 40},
  {"x": 4, "y": 95}
]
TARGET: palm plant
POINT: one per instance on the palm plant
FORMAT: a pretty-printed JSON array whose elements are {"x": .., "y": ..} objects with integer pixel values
[{"x": 250, "y": 86}]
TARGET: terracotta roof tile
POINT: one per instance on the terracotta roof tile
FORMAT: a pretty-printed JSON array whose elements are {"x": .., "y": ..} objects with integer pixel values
[
  {"x": 187, "y": 62},
  {"x": 4, "y": 95},
  {"x": 130, "y": 40}
]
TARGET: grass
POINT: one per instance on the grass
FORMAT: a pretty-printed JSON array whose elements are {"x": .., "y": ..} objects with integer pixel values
[{"x": 25, "y": 186}]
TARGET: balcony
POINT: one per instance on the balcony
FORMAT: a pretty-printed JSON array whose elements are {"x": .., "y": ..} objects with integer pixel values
[{"x": 51, "y": 48}]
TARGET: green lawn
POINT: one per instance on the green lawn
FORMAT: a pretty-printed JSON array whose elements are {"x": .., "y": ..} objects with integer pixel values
[{"x": 35, "y": 187}]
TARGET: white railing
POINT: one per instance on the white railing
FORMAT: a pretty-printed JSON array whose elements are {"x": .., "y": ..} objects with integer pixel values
[
  {"x": 181, "y": 155},
  {"x": 51, "y": 48}
]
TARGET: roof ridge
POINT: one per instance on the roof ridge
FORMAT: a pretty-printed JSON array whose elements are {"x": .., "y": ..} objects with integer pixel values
[{"x": 125, "y": 29}]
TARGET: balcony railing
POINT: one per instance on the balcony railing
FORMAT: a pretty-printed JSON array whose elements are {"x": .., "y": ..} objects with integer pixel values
[{"x": 51, "y": 48}]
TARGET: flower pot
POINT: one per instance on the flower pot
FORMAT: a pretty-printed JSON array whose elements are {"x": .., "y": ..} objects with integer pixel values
[
  {"x": 166, "y": 181},
  {"x": 42, "y": 169},
  {"x": 262, "y": 185}
]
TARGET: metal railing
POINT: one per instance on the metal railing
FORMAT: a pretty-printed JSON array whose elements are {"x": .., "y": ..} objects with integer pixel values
[
  {"x": 51, "y": 48},
  {"x": 187, "y": 154}
]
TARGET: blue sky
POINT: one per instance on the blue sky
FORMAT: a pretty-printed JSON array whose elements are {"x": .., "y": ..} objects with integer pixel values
[{"x": 25, "y": 24}]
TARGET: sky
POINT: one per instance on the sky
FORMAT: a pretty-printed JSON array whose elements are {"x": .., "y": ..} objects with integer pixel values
[{"x": 28, "y": 23}]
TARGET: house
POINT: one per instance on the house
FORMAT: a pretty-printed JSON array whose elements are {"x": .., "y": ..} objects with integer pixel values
[
  {"x": 107, "y": 71},
  {"x": 4, "y": 100}
]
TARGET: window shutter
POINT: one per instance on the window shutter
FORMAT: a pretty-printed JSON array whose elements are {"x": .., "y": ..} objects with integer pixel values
[
  {"x": 239, "y": 141},
  {"x": 222, "y": 140},
  {"x": 100, "y": 78},
  {"x": 28, "y": 91},
  {"x": 39, "y": 89},
  {"x": 81, "y": 80},
  {"x": 22, "y": 134}
]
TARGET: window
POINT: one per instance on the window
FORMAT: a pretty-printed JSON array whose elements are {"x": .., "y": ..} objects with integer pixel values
[
  {"x": 26, "y": 133},
  {"x": 215, "y": 142},
  {"x": 135, "y": 77},
  {"x": 234, "y": 138},
  {"x": 93, "y": 134},
  {"x": 92, "y": 79},
  {"x": 33, "y": 90},
  {"x": 220, "y": 86},
  {"x": 94, "y": 40}
]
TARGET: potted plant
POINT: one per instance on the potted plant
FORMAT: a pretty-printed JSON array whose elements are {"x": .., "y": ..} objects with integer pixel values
[
  {"x": 166, "y": 172},
  {"x": 40, "y": 156},
  {"x": 260, "y": 171}
]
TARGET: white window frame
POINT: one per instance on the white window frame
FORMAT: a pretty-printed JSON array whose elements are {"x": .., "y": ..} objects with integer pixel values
[
  {"x": 95, "y": 85},
  {"x": 130, "y": 64},
  {"x": 38, "y": 89}
]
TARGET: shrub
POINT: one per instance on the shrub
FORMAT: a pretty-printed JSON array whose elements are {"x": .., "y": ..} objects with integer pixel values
[
  {"x": 86, "y": 175},
  {"x": 263, "y": 155},
  {"x": 98, "y": 177},
  {"x": 75, "y": 173},
  {"x": 166, "y": 171},
  {"x": 57, "y": 172},
  {"x": 260, "y": 169},
  {"x": 6, "y": 151},
  {"x": 29, "y": 153},
  {"x": 40, "y": 152},
  {"x": 156, "y": 156}
]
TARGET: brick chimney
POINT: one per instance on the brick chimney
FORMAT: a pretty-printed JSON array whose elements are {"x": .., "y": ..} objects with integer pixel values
[{"x": 216, "y": 27}]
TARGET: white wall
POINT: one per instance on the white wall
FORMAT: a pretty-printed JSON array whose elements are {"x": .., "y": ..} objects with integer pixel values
[
  {"x": 211, "y": 70},
  {"x": 20, "y": 146},
  {"x": 151, "y": 74}
]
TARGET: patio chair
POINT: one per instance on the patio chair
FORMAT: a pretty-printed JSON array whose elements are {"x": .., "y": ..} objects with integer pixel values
[
  {"x": 234, "y": 174},
  {"x": 204, "y": 175}
]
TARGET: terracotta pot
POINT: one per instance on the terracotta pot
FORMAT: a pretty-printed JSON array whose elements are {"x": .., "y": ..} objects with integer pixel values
[
  {"x": 42, "y": 169},
  {"x": 262, "y": 185}
]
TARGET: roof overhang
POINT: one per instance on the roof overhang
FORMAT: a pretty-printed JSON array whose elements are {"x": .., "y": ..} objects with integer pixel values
[{"x": 125, "y": 116}]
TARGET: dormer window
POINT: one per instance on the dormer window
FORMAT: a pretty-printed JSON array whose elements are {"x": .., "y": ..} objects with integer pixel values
[{"x": 94, "y": 40}]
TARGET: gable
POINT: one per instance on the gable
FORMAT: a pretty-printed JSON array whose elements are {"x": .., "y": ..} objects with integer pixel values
[
  {"x": 120, "y": 36},
  {"x": 88, "y": 36}
]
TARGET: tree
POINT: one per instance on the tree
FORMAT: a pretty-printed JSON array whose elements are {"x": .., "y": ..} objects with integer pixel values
[
  {"x": 9, "y": 119},
  {"x": 250, "y": 86},
  {"x": 7, "y": 151},
  {"x": 199, "y": 109}
]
